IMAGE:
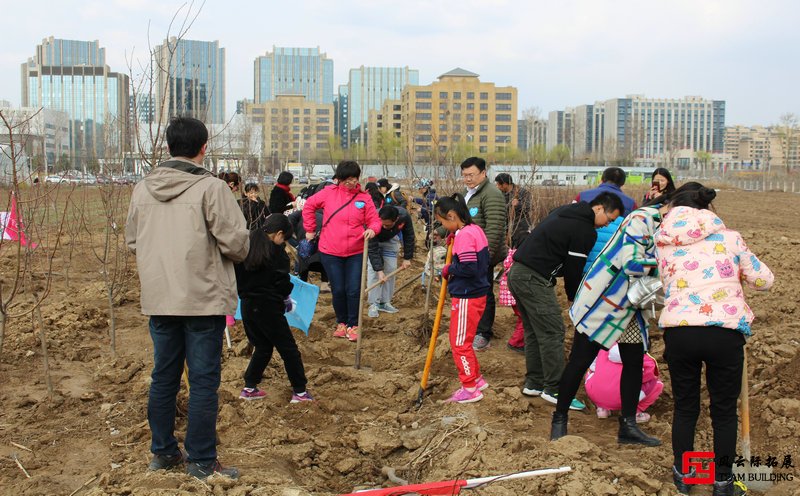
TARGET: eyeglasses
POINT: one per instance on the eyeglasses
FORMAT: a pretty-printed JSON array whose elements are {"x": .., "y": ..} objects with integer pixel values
[{"x": 470, "y": 175}]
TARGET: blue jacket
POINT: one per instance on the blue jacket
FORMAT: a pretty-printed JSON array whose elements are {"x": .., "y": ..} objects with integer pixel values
[{"x": 591, "y": 194}]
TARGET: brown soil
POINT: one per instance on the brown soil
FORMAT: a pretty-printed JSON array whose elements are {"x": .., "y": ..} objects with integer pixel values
[{"x": 95, "y": 427}]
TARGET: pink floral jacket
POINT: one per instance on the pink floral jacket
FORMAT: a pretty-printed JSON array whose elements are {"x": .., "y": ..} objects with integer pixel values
[{"x": 703, "y": 265}]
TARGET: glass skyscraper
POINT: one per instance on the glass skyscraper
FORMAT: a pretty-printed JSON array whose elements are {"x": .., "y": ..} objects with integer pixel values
[
  {"x": 367, "y": 89},
  {"x": 72, "y": 76},
  {"x": 194, "y": 82},
  {"x": 293, "y": 71}
]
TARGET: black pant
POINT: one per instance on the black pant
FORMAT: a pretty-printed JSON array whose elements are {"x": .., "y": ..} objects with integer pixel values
[
  {"x": 487, "y": 320},
  {"x": 722, "y": 351},
  {"x": 583, "y": 352},
  {"x": 266, "y": 328}
]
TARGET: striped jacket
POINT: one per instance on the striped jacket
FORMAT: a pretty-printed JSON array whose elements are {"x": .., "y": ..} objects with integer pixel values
[{"x": 601, "y": 309}]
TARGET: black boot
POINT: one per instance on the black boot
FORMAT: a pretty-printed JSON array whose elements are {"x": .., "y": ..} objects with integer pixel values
[
  {"x": 677, "y": 478},
  {"x": 558, "y": 427},
  {"x": 629, "y": 433},
  {"x": 730, "y": 487}
]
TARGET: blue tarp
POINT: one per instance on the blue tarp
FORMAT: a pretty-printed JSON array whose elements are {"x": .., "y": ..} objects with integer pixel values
[{"x": 306, "y": 296}]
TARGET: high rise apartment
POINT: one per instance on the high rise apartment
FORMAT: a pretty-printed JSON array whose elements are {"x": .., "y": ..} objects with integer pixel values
[
  {"x": 72, "y": 76},
  {"x": 367, "y": 89},
  {"x": 190, "y": 80},
  {"x": 458, "y": 109},
  {"x": 293, "y": 71}
]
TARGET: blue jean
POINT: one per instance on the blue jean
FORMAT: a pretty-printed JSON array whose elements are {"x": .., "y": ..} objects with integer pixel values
[
  {"x": 344, "y": 274},
  {"x": 198, "y": 341}
]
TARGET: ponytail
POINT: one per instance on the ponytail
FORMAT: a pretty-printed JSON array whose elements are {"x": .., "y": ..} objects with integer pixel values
[
  {"x": 261, "y": 246},
  {"x": 699, "y": 198},
  {"x": 454, "y": 203}
]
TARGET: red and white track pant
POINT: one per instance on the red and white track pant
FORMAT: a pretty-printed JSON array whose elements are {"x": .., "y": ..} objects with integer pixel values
[{"x": 465, "y": 313}]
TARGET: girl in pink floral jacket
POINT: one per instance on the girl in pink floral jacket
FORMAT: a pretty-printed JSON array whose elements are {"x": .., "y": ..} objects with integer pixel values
[{"x": 703, "y": 265}]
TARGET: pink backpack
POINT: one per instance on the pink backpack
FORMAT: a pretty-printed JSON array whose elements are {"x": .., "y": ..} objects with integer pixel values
[{"x": 504, "y": 296}]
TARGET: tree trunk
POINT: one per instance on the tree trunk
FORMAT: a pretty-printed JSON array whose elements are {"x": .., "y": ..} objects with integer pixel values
[
  {"x": 112, "y": 317},
  {"x": 2, "y": 331},
  {"x": 45, "y": 358}
]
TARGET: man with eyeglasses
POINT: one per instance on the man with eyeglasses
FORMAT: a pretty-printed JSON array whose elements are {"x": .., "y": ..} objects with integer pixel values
[{"x": 487, "y": 206}]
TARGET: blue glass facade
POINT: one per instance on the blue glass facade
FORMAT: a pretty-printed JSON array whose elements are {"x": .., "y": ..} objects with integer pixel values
[
  {"x": 71, "y": 76},
  {"x": 368, "y": 88},
  {"x": 196, "y": 85},
  {"x": 293, "y": 71}
]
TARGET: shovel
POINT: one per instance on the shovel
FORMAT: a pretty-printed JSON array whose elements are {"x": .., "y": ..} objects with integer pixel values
[
  {"x": 361, "y": 302},
  {"x": 435, "y": 332},
  {"x": 756, "y": 478}
]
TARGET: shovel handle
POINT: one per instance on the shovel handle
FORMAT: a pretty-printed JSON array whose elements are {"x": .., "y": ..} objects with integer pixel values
[
  {"x": 435, "y": 332},
  {"x": 378, "y": 283},
  {"x": 745, "y": 407}
]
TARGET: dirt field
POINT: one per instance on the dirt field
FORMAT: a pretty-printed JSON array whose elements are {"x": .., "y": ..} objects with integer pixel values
[{"x": 95, "y": 428}]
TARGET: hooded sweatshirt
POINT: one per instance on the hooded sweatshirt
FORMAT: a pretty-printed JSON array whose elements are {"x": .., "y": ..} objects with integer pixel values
[
  {"x": 186, "y": 230},
  {"x": 559, "y": 245},
  {"x": 702, "y": 265},
  {"x": 343, "y": 231}
]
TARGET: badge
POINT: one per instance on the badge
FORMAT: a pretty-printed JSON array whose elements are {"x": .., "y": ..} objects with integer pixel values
[
  {"x": 473, "y": 211},
  {"x": 359, "y": 204}
]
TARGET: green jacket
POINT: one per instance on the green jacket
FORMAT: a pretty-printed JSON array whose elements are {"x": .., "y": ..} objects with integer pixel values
[{"x": 488, "y": 209}]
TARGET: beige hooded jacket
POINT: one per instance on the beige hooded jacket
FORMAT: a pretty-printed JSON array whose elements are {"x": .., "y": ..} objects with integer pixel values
[{"x": 186, "y": 230}]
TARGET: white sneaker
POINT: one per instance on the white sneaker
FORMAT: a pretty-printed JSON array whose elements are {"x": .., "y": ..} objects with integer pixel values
[
  {"x": 372, "y": 311},
  {"x": 531, "y": 391}
]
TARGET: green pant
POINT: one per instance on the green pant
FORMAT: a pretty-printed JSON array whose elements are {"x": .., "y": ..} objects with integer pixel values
[{"x": 544, "y": 327}]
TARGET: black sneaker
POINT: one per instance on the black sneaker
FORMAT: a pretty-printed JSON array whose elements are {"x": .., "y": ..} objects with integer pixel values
[
  {"x": 166, "y": 462},
  {"x": 205, "y": 470}
]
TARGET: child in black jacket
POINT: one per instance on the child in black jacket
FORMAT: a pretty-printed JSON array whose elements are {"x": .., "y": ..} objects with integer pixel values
[{"x": 264, "y": 288}]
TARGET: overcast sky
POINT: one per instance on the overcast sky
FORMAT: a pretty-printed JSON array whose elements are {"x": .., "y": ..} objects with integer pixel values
[{"x": 557, "y": 53}]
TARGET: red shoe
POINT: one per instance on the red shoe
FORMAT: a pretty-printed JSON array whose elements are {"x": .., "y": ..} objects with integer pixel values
[
  {"x": 341, "y": 331},
  {"x": 352, "y": 333}
]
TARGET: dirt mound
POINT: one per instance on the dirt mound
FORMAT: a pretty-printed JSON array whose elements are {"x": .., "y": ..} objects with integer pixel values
[{"x": 364, "y": 426}]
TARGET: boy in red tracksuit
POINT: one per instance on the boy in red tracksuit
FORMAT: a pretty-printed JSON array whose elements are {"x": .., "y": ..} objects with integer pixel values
[{"x": 468, "y": 287}]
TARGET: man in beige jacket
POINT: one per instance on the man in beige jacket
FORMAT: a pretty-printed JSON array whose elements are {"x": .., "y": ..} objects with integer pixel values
[{"x": 186, "y": 230}]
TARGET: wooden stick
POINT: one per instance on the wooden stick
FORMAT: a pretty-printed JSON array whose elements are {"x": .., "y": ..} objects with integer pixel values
[
  {"x": 73, "y": 493},
  {"x": 19, "y": 464},
  {"x": 21, "y": 447},
  {"x": 387, "y": 277},
  {"x": 361, "y": 302}
]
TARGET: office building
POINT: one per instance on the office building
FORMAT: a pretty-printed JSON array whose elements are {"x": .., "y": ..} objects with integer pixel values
[
  {"x": 72, "y": 77},
  {"x": 458, "y": 113},
  {"x": 342, "y": 129},
  {"x": 190, "y": 77},
  {"x": 294, "y": 129},
  {"x": 293, "y": 71},
  {"x": 656, "y": 129},
  {"x": 636, "y": 129},
  {"x": 43, "y": 133},
  {"x": 367, "y": 89},
  {"x": 384, "y": 132}
]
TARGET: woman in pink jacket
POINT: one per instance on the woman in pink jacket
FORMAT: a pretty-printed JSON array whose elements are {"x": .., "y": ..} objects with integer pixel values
[
  {"x": 349, "y": 216},
  {"x": 705, "y": 319}
]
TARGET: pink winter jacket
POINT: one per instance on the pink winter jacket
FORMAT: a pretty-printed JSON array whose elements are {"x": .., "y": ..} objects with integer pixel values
[
  {"x": 603, "y": 378},
  {"x": 343, "y": 236},
  {"x": 702, "y": 265}
]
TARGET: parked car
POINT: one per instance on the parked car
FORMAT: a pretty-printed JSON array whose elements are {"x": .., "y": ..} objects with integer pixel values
[
  {"x": 268, "y": 180},
  {"x": 548, "y": 182},
  {"x": 302, "y": 180}
]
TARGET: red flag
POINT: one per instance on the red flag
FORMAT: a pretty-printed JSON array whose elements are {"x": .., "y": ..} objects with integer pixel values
[{"x": 14, "y": 229}]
